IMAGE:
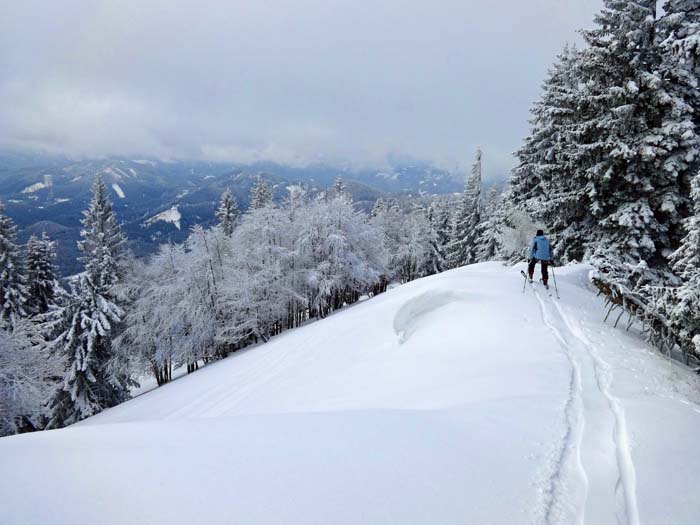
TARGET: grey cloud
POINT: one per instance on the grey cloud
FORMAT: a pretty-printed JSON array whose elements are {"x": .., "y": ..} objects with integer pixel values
[{"x": 293, "y": 81}]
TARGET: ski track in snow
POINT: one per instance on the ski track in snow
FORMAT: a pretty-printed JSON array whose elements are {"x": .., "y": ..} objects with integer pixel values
[
  {"x": 626, "y": 483},
  {"x": 568, "y": 472},
  {"x": 594, "y": 476}
]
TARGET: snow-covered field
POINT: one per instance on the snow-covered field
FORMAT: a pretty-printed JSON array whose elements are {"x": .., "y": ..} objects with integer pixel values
[{"x": 453, "y": 399}]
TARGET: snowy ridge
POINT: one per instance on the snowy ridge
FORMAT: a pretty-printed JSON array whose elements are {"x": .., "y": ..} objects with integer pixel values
[{"x": 453, "y": 399}]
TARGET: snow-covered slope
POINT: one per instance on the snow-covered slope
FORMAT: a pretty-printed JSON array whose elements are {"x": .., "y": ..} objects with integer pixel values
[
  {"x": 453, "y": 399},
  {"x": 171, "y": 215}
]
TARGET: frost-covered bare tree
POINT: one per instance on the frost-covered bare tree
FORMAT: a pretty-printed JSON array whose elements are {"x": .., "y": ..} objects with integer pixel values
[
  {"x": 26, "y": 381},
  {"x": 279, "y": 267}
]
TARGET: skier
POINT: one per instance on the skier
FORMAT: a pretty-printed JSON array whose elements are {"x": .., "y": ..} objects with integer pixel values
[{"x": 540, "y": 251}]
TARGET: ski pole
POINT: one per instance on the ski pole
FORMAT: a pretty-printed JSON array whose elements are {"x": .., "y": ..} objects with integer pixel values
[
  {"x": 524, "y": 283},
  {"x": 556, "y": 289}
]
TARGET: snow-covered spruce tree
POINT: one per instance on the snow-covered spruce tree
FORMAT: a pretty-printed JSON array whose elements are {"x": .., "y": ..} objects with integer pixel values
[
  {"x": 462, "y": 247},
  {"x": 87, "y": 322},
  {"x": 548, "y": 182},
  {"x": 13, "y": 288},
  {"x": 103, "y": 243},
  {"x": 41, "y": 273},
  {"x": 260, "y": 195},
  {"x": 489, "y": 231},
  {"x": 84, "y": 324},
  {"x": 438, "y": 215},
  {"x": 637, "y": 140},
  {"x": 685, "y": 304},
  {"x": 678, "y": 32},
  {"x": 228, "y": 212}
]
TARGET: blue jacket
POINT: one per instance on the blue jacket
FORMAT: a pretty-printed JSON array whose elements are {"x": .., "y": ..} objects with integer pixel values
[{"x": 541, "y": 249}]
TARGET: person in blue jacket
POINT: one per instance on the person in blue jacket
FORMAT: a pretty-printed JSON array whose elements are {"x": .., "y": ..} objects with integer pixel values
[{"x": 540, "y": 251}]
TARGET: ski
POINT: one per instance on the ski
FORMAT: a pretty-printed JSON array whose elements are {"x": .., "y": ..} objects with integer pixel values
[{"x": 527, "y": 280}]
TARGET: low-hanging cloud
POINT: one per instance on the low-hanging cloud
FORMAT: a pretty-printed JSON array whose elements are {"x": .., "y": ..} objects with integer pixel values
[{"x": 293, "y": 81}]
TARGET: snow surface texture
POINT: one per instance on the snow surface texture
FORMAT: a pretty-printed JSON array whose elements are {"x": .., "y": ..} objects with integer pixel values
[{"x": 453, "y": 399}]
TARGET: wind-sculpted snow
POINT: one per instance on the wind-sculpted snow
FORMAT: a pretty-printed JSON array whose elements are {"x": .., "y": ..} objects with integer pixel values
[
  {"x": 453, "y": 399},
  {"x": 410, "y": 316}
]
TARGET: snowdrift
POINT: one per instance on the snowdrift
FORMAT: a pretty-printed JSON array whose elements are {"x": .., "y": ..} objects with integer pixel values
[{"x": 453, "y": 399}]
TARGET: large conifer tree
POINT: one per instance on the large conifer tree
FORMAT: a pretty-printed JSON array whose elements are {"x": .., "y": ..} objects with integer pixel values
[
  {"x": 462, "y": 247},
  {"x": 633, "y": 141},
  {"x": 85, "y": 324},
  {"x": 547, "y": 183},
  {"x": 685, "y": 307},
  {"x": 103, "y": 243},
  {"x": 260, "y": 195},
  {"x": 228, "y": 213},
  {"x": 13, "y": 288},
  {"x": 41, "y": 273}
]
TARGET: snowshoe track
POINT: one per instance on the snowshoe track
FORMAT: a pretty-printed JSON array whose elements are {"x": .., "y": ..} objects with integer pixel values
[{"x": 593, "y": 478}]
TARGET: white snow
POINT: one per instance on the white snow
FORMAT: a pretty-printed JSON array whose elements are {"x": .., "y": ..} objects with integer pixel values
[
  {"x": 118, "y": 173},
  {"x": 453, "y": 399},
  {"x": 145, "y": 162},
  {"x": 46, "y": 183},
  {"x": 172, "y": 215},
  {"x": 118, "y": 190}
]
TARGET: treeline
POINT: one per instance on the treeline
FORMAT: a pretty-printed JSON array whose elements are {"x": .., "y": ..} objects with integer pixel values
[
  {"x": 71, "y": 348},
  {"x": 611, "y": 164}
]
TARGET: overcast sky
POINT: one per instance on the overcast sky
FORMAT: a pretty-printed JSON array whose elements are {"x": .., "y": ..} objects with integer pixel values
[{"x": 358, "y": 81}]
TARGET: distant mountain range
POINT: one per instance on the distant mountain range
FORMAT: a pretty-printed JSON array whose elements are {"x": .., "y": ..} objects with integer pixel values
[{"x": 159, "y": 201}]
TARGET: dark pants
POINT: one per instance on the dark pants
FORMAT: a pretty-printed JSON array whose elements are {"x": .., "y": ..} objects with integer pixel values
[{"x": 531, "y": 269}]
